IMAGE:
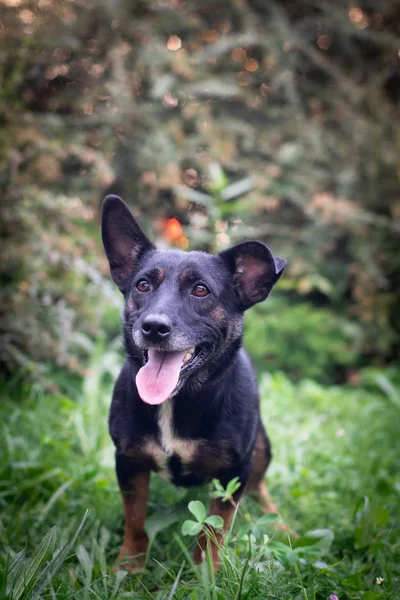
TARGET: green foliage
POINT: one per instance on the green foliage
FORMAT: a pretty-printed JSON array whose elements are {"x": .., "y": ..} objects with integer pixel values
[
  {"x": 30, "y": 578},
  {"x": 334, "y": 477},
  {"x": 258, "y": 119},
  {"x": 53, "y": 291},
  {"x": 302, "y": 340},
  {"x": 54, "y": 297},
  {"x": 226, "y": 494},
  {"x": 198, "y": 510}
]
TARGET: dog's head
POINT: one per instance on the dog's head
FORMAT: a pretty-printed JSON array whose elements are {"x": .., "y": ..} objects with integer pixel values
[{"x": 183, "y": 310}]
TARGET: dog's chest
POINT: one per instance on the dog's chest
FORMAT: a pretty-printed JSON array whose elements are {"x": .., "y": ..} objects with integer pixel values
[
  {"x": 185, "y": 461},
  {"x": 170, "y": 446}
]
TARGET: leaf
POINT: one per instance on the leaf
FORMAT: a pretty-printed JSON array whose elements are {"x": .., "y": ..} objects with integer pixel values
[
  {"x": 176, "y": 582},
  {"x": 284, "y": 553},
  {"x": 354, "y": 581},
  {"x": 244, "y": 530},
  {"x": 26, "y": 575},
  {"x": 190, "y": 527},
  {"x": 217, "y": 484},
  {"x": 215, "y": 521},
  {"x": 322, "y": 538},
  {"x": 239, "y": 188},
  {"x": 119, "y": 576},
  {"x": 320, "y": 534},
  {"x": 60, "y": 556},
  {"x": 198, "y": 510},
  {"x": 363, "y": 530},
  {"x": 86, "y": 563},
  {"x": 218, "y": 177},
  {"x": 381, "y": 517},
  {"x": 389, "y": 390},
  {"x": 266, "y": 519},
  {"x": 15, "y": 568},
  {"x": 192, "y": 195},
  {"x": 53, "y": 499},
  {"x": 279, "y": 546},
  {"x": 161, "y": 520},
  {"x": 233, "y": 485},
  {"x": 360, "y": 508}
]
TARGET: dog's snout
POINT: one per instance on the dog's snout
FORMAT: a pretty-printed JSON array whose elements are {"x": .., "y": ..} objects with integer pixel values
[{"x": 156, "y": 328}]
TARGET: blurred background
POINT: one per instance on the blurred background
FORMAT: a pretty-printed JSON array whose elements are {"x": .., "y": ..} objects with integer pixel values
[{"x": 216, "y": 122}]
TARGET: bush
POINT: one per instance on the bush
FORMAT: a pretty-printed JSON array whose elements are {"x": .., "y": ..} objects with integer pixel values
[
  {"x": 302, "y": 340},
  {"x": 143, "y": 98}
]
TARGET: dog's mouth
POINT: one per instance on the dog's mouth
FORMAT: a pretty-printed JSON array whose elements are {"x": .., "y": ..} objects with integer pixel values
[{"x": 163, "y": 372}]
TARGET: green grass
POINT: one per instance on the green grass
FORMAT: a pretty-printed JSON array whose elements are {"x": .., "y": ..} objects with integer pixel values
[{"x": 335, "y": 477}]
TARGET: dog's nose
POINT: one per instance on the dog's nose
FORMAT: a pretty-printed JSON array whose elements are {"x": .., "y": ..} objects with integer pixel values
[{"x": 156, "y": 328}]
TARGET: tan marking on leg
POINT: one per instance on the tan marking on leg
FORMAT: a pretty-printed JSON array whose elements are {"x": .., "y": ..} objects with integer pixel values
[
  {"x": 256, "y": 483},
  {"x": 215, "y": 539},
  {"x": 134, "y": 548},
  {"x": 265, "y": 499},
  {"x": 261, "y": 461}
]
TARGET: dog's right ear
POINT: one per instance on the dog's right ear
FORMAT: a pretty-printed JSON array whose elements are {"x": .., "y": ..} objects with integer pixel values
[
  {"x": 255, "y": 271},
  {"x": 123, "y": 240}
]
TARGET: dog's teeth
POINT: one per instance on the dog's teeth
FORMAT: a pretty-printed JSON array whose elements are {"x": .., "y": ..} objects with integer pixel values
[{"x": 188, "y": 355}]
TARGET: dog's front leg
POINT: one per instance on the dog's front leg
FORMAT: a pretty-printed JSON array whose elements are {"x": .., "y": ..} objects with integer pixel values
[
  {"x": 134, "y": 487},
  {"x": 213, "y": 539}
]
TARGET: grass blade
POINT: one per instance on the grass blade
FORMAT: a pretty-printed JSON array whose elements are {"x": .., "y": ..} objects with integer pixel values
[
  {"x": 55, "y": 564},
  {"x": 59, "y": 492},
  {"x": 86, "y": 563},
  {"x": 175, "y": 584},
  {"x": 388, "y": 389},
  {"x": 32, "y": 566},
  {"x": 15, "y": 567},
  {"x": 119, "y": 576}
]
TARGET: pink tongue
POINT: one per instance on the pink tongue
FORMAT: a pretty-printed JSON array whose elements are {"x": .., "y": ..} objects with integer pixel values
[{"x": 158, "y": 378}]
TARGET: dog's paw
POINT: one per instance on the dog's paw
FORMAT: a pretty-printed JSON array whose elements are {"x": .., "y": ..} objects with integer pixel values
[
  {"x": 132, "y": 557},
  {"x": 131, "y": 564}
]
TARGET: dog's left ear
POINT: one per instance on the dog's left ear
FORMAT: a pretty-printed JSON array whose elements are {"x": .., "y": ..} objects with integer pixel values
[{"x": 255, "y": 271}]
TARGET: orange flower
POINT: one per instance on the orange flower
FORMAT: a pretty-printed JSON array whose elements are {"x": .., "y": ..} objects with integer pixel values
[{"x": 174, "y": 233}]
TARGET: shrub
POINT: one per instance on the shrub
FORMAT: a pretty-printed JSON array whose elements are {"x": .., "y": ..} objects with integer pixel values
[{"x": 302, "y": 340}]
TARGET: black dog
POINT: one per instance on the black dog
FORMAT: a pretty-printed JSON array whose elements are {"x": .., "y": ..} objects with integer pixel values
[{"x": 186, "y": 402}]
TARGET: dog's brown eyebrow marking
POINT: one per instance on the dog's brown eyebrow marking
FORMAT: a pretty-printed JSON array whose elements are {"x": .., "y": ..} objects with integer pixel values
[
  {"x": 190, "y": 275},
  {"x": 157, "y": 274}
]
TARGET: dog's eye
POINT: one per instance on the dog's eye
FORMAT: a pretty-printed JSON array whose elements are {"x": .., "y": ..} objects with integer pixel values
[
  {"x": 143, "y": 285},
  {"x": 200, "y": 291}
]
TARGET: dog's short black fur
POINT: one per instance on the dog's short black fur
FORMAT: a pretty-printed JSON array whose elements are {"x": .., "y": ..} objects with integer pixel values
[{"x": 210, "y": 425}]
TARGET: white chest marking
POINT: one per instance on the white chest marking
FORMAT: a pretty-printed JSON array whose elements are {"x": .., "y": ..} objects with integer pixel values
[
  {"x": 169, "y": 441},
  {"x": 165, "y": 424}
]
